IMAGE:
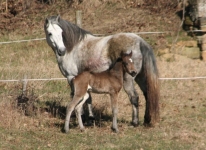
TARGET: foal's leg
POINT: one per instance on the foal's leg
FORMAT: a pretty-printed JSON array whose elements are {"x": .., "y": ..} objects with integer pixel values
[
  {"x": 128, "y": 85},
  {"x": 88, "y": 101},
  {"x": 78, "y": 110},
  {"x": 114, "y": 104},
  {"x": 70, "y": 108}
]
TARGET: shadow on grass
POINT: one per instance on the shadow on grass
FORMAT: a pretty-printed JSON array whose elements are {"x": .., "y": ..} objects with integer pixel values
[{"x": 31, "y": 106}]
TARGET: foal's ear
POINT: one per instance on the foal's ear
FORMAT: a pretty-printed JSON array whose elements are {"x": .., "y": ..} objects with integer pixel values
[
  {"x": 130, "y": 54},
  {"x": 122, "y": 54},
  {"x": 58, "y": 18}
]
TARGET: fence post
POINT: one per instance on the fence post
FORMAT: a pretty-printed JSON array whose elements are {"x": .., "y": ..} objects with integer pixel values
[
  {"x": 24, "y": 82},
  {"x": 79, "y": 18},
  {"x": 6, "y": 6}
]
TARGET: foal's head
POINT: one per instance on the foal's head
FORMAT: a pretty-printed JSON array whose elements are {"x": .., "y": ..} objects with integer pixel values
[{"x": 128, "y": 64}]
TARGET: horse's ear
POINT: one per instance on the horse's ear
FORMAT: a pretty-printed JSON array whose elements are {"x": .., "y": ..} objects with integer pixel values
[
  {"x": 122, "y": 54},
  {"x": 58, "y": 18},
  {"x": 46, "y": 21}
]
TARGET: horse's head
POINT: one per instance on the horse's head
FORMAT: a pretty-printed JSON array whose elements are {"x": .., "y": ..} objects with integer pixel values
[
  {"x": 54, "y": 34},
  {"x": 128, "y": 64}
]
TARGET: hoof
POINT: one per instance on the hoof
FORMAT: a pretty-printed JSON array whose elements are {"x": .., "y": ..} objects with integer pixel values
[
  {"x": 135, "y": 124},
  {"x": 115, "y": 130},
  {"x": 149, "y": 125},
  {"x": 82, "y": 129},
  {"x": 66, "y": 130},
  {"x": 90, "y": 121}
]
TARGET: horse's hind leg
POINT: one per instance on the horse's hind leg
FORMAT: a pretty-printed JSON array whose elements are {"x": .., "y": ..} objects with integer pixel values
[{"x": 128, "y": 85}]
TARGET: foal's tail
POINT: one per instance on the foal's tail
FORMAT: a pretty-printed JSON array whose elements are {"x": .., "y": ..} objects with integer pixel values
[{"x": 148, "y": 82}]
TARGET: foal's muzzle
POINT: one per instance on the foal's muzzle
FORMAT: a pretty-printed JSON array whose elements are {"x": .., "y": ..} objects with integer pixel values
[{"x": 133, "y": 73}]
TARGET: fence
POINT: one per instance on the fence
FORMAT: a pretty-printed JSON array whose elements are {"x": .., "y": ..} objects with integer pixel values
[
  {"x": 79, "y": 23},
  {"x": 50, "y": 79},
  {"x": 40, "y": 39}
]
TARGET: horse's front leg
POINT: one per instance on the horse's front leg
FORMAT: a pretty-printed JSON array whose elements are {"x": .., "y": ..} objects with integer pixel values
[
  {"x": 89, "y": 105},
  {"x": 70, "y": 81},
  {"x": 114, "y": 104},
  {"x": 128, "y": 85}
]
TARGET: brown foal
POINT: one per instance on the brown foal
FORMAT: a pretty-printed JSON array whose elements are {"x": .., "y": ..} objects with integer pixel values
[{"x": 109, "y": 82}]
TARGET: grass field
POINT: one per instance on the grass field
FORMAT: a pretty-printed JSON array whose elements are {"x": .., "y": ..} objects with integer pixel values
[{"x": 182, "y": 107}]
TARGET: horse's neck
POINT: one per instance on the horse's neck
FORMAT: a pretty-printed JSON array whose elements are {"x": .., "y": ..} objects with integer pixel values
[
  {"x": 67, "y": 65},
  {"x": 117, "y": 69}
]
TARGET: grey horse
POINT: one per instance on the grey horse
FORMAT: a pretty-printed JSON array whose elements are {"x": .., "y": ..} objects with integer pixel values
[{"x": 78, "y": 50}]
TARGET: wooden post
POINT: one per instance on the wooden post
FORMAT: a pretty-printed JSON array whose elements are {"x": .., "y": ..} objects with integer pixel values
[
  {"x": 203, "y": 47},
  {"x": 201, "y": 8},
  {"x": 24, "y": 81},
  {"x": 6, "y": 6},
  {"x": 79, "y": 18}
]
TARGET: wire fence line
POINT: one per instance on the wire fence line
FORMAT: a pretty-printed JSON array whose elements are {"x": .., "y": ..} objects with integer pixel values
[
  {"x": 183, "y": 78},
  {"x": 22, "y": 80},
  {"x": 40, "y": 39},
  {"x": 53, "y": 79},
  {"x": 20, "y": 41}
]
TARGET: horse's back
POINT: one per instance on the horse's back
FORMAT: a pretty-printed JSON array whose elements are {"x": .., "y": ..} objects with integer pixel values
[{"x": 99, "y": 53}]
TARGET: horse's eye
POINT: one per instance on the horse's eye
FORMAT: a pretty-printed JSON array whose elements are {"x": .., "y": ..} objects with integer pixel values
[{"x": 49, "y": 34}]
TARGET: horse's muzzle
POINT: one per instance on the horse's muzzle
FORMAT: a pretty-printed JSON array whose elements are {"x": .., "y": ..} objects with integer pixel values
[{"x": 61, "y": 52}]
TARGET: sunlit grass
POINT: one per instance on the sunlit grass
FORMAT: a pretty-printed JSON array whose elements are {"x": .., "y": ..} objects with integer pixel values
[
  {"x": 33, "y": 59},
  {"x": 182, "y": 107}
]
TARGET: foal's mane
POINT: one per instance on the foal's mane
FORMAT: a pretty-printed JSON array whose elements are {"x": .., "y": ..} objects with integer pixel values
[{"x": 72, "y": 34}]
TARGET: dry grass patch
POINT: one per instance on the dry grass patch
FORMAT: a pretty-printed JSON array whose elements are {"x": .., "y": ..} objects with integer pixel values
[{"x": 182, "y": 108}]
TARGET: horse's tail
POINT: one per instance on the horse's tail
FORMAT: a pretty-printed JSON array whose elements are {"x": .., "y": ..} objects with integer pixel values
[{"x": 148, "y": 82}]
